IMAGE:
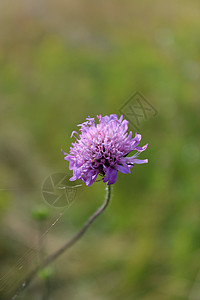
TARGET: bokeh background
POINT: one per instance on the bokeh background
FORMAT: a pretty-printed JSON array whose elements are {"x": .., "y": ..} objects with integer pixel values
[{"x": 61, "y": 61}]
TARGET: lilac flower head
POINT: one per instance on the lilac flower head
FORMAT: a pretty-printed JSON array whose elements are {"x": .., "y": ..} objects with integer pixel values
[{"x": 103, "y": 149}]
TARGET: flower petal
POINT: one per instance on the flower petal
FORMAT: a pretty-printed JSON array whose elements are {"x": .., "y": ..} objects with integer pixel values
[
  {"x": 140, "y": 149},
  {"x": 107, "y": 174},
  {"x": 135, "y": 141},
  {"x": 123, "y": 169},
  {"x": 132, "y": 160},
  {"x": 73, "y": 133},
  {"x": 92, "y": 179},
  {"x": 113, "y": 177},
  {"x": 110, "y": 176},
  {"x": 64, "y": 152}
]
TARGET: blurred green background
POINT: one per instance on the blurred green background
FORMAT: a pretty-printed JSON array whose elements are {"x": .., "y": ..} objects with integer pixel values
[{"x": 61, "y": 61}]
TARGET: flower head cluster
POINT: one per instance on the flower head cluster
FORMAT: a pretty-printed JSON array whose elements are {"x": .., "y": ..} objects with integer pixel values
[{"x": 103, "y": 149}]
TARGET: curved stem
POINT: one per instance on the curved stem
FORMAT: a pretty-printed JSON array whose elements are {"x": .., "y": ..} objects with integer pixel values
[{"x": 66, "y": 246}]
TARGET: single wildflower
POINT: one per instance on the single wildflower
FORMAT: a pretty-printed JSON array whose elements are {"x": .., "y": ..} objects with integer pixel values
[{"x": 103, "y": 149}]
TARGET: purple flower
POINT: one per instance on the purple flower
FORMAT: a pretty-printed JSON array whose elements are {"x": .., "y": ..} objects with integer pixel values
[{"x": 103, "y": 149}]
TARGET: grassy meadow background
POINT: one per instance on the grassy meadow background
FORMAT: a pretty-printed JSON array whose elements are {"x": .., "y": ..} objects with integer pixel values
[{"x": 61, "y": 61}]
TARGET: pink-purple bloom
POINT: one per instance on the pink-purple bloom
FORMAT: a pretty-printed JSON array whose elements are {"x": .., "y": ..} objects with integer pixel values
[{"x": 103, "y": 149}]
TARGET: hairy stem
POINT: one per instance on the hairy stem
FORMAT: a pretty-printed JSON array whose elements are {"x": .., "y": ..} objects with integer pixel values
[{"x": 66, "y": 246}]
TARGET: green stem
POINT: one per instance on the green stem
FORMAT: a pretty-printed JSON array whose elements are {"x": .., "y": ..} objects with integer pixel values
[{"x": 66, "y": 246}]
